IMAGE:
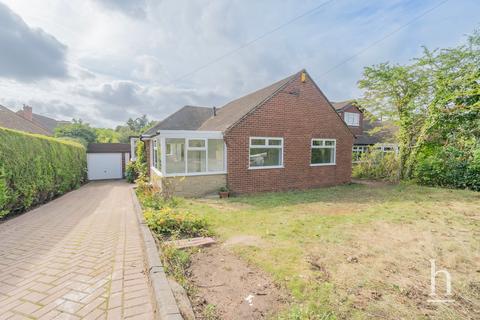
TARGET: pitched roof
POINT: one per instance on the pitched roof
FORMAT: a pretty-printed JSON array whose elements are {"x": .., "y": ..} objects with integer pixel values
[
  {"x": 376, "y": 132},
  {"x": 342, "y": 105},
  {"x": 48, "y": 123},
  {"x": 187, "y": 118},
  {"x": 234, "y": 111},
  {"x": 11, "y": 120},
  {"x": 108, "y": 147}
]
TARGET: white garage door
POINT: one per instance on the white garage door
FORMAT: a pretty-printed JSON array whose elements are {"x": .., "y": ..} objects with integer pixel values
[{"x": 104, "y": 166}]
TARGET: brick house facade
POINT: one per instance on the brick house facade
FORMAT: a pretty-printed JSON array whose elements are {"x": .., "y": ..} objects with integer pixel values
[
  {"x": 298, "y": 114},
  {"x": 291, "y": 115}
]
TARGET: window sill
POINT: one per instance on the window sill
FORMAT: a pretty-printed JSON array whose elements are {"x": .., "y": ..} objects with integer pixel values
[
  {"x": 193, "y": 174},
  {"x": 269, "y": 167},
  {"x": 322, "y": 164}
]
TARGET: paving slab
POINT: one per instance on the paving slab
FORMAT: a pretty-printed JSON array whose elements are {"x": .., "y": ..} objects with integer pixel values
[{"x": 80, "y": 256}]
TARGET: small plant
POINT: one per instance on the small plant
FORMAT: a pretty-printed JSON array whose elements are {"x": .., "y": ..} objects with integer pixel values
[
  {"x": 223, "y": 192},
  {"x": 210, "y": 312},
  {"x": 176, "y": 262}
]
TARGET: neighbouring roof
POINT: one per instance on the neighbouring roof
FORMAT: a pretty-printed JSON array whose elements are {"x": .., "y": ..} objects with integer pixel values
[
  {"x": 187, "y": 118},
  {"x": 342, "y": 105},
  {"x": 235, "y": 110},
  {"x": 108, "y": 147},
  {"x": 48, "y": 123},
  {"x": 383, "y": 132},
  {"x": 11, "y": 120}
]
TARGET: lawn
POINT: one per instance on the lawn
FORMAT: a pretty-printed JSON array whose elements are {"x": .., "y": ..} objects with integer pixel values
[{"x": 358, "y": 251}]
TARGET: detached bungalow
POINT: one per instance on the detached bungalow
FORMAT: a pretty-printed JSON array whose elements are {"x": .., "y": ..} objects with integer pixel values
[{"x": 282, "y": 137}]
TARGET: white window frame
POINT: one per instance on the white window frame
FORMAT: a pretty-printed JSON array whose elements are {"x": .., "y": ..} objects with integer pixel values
[
  {"x": 359, "y": 148},
  {"x": 355, "y": 119},
  {"x": 154, "y": 153},
  {"x": 188, "y": 135},
  {"x": 334, "y": 147},
  {"x": 266, "y": 146},
  {"x": 188, "y": 148}
]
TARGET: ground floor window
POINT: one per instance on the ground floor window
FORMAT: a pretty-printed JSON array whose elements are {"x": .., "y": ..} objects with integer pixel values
[
  {"x": 266, "y": 152},
  {"x": 323, "y": 152},
  {"x": 358, "y": 151}
]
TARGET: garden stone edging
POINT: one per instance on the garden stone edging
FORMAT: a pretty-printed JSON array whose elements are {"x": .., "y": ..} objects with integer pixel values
[{"x": 165, "y": 305}]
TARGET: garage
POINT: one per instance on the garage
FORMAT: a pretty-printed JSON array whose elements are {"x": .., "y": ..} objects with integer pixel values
[{"x": 106, "y": 161}]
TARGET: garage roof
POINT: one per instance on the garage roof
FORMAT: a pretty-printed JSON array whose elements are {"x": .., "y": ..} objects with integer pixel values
[{"x": 108, "y": 147}]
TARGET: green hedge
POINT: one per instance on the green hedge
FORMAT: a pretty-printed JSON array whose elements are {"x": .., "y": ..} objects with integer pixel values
[{"x": 34, "y": 169}]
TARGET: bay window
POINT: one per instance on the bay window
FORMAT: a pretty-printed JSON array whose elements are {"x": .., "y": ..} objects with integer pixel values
[
  {"x": 266, "y": 152},
  {"x": 323, "y": 152}
]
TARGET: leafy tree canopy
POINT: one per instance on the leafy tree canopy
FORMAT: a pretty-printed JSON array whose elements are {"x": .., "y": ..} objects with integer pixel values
[{"x": 433, "y": 99}]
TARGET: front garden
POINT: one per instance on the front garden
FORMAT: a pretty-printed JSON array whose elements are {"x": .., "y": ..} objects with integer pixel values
[{"x": 347, "y": 252}]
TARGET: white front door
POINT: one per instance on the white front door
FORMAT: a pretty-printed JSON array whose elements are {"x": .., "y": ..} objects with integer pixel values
[{"x": 104, "y": 166}]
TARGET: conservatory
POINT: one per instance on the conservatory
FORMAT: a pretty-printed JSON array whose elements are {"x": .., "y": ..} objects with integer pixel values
[{"x": 176, "y": 153}]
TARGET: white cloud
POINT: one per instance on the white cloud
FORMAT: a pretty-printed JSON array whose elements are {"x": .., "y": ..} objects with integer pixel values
[
  {"x": 26, "y": 53},
  {"x": 124, "y": 67}
]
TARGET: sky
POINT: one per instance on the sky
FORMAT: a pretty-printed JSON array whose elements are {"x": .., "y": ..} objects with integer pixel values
[{"x": 104, "y": 61}]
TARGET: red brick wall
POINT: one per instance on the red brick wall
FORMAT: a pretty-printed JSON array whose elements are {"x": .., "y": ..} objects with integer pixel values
[
  {"x": 358, "y": 131},
  {"x": 297, "y": 118}
]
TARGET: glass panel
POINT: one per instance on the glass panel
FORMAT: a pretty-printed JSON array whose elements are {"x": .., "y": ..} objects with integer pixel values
[
  {"x": 265, "y": 157},
  {"x": 329, "y": 143},
  {"x": 274, "y": 142},
  {"x": 154, "y": 153},
  {"x": 197, "y": 143},
  {"x": 175, "y": 157},
  {"x": 317, "y": 143},
  {"x": 197, "y": 161},
  {"x": 322, "y": 155},
  {"x": 258, "y": 142},
  {"x": 215, "y": 155}
]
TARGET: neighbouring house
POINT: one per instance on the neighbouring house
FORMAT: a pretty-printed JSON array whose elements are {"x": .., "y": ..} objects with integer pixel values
[
  {"x": 282, "y": 137},
  {"x": 368, "y": 132},
  {"x": 107, "y": 160},
  {"x": 11, "y": 120},
  {"x": 45, "y": 122}
]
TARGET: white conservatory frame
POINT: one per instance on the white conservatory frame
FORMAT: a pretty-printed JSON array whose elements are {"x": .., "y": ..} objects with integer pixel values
[{"x": 161, "y": 137}]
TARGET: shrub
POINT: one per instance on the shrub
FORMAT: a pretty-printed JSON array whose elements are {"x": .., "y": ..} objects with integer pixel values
[
  {"x": 448, "y": 167},
  {"x": 166, "y": 218},
  {"x": 35, "y": 169},
  {"x": 170, "y": 222},
  {"x": 378, "y": 165},
  {"x": 131, "y": 173}
]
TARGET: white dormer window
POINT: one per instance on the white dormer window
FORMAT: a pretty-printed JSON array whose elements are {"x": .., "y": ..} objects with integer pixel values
[{"x": 352, "y": 119}]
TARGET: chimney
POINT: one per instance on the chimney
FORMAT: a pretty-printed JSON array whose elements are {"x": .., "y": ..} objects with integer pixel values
[
  {"x": 214, "y": 111},
  {"x": 27, "y": 112}
]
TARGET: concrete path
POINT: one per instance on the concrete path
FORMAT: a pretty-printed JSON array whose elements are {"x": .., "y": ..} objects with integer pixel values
[{"x": 77, "y": 257}]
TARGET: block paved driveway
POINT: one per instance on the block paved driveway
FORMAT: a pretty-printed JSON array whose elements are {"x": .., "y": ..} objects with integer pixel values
[{"x": 77, "y": 257}]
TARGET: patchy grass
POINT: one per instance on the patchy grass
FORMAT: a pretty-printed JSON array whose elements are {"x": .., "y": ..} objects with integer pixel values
[{"x": 356, "y": 251}]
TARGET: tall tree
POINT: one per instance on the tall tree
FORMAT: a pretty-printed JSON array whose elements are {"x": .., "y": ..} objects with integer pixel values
[
  {"x": 433, "y": 97},
  {"x": 77, "y": 130}
]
